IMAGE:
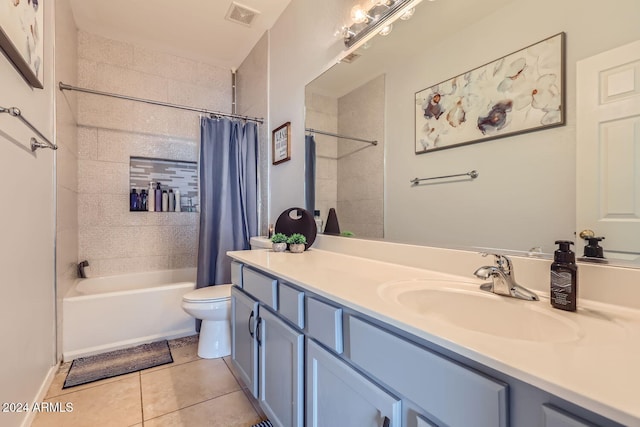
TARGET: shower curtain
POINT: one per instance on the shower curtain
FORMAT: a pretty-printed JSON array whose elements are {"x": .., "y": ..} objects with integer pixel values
[
  {"x": 310, "y": 173},
  {"x": 228, "y": 195}
]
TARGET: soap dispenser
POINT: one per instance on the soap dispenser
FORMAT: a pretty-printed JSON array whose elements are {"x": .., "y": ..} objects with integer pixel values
[
  {"x": 593, "y": 248},
  {"x": 564, "y": 278}
]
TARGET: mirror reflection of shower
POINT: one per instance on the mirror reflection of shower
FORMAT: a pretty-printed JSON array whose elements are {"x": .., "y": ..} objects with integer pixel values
[{"x": 349, "y": 173}]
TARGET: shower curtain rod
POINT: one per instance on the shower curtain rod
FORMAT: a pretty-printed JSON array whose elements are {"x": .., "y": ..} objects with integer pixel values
[
  {"x": 372, "y": 142},
  {"x": 64, "y": 86}
]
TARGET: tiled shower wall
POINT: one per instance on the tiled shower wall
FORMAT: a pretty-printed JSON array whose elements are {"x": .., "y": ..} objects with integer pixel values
[
  {"x": 111, "y": 238},
  {"x": 360, "y": 165},
  {"x": 322, "y": 114}
]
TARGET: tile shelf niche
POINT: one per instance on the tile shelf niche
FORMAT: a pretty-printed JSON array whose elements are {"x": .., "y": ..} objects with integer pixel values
[{"x": 171, "y": 174}]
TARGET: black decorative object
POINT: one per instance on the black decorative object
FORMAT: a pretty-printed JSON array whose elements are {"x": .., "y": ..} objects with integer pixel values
[
  {"x": 297, "y": 220},
  {"x": 332, "y": 226}
]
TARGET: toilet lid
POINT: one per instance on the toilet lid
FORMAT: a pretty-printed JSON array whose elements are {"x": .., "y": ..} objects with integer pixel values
[{"x": 210, "y": 293}]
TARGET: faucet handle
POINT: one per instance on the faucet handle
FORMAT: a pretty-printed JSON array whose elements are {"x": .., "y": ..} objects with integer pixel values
[{"x": 502, "y": 261}]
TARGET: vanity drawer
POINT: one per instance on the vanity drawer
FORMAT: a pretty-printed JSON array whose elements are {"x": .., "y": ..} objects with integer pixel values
[
  {"x": 262, "y": 287},
  {"x": 324, "y": 323},
  {"x": 236, "y": 273},
  {"x": 291, "y": 304},
  {"x": 450, "y": 393}
]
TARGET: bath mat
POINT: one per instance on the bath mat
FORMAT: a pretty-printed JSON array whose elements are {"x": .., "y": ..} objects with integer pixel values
[
  {"x": 119, "y": 362},
  {"x": 265, "y": 423}
]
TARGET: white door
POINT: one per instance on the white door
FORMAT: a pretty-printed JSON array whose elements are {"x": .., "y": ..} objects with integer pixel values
[{"x": 608, "y": 149}]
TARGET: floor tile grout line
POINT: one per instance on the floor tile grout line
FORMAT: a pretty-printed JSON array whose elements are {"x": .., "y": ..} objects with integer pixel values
[
  {"x": 191, "y": 405},
  {"x": 141, "y": 399},
  {"x": 101, "y": 382}
]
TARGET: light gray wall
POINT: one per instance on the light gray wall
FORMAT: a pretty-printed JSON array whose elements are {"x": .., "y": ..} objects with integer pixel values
[
  {"x": 302, "y": 45},
  {"x": 113, "y": 239},
  {"x": 525, "y": 195},
  {"x": 252, "y": 80},
  {"x": 66, "y": 70},
  {"x": 27, "y": 303}
]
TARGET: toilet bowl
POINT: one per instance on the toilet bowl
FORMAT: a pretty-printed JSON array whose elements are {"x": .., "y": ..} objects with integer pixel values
[{"x": 213, "y": 306}]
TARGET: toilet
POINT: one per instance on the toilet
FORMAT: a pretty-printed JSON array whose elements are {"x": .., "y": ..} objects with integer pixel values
[{"x": 213, "y": 306}]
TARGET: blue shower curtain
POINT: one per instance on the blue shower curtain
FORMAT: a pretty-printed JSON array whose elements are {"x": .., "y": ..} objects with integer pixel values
[
  {"x": 228, "y": 195},
  {"x": 310, "y": 173}
]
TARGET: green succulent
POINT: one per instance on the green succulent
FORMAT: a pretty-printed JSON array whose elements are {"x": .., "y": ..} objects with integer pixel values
[
  {"x": 297, "y": 239},
  {"x": 279, "y": 238}
]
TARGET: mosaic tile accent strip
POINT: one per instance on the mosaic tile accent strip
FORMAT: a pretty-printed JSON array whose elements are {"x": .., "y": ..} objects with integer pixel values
[{"x": 171, "y": 174}]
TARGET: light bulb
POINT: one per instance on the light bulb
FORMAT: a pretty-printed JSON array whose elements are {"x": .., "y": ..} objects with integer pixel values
[
  {"x": 408, "y": 14},
  {"x": 358, "y": 14},
  {"x": 386, "y": 30},
  {"x": 375, "y": 3}
]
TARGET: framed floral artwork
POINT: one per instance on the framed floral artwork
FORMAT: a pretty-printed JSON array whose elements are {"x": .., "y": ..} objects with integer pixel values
[
  {"x": 520, "y": 92},
  {"x": 21, "y": 37}
]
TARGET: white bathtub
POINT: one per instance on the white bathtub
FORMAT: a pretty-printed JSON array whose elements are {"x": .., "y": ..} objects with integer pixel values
[{"x": 108, "y": 313}]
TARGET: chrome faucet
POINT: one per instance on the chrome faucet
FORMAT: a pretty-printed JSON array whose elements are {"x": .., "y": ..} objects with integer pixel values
[{"x": 503, "y": 280}]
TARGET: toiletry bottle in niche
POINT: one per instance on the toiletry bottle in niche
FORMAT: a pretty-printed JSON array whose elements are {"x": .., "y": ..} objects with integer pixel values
[
  {"x": 177, "y": 193},
  {"x": 172, "y": 201},
  {"x": 564, "y": 278},
  {"x": 158, "y": 197},
  {"x": 165, "y": 201},
  {"x": 151, "y": 200},
  {"x": 133, "y": 200},
  {"x": 143, "y": 200}
]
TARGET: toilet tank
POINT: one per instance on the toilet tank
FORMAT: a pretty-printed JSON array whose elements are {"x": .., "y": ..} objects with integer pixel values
[{"x": 260, "y": 242}]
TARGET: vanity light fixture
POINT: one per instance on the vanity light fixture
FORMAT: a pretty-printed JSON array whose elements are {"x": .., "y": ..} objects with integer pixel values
[
  {"x": 386, "y": 30},
  {"x": 376, "y": 20}
]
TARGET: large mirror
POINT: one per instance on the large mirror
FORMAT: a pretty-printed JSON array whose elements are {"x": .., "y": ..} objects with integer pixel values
[{"x": 525, "y": 195}]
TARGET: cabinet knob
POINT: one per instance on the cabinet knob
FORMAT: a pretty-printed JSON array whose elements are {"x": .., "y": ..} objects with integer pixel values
[{"x": 249, "y": 324}]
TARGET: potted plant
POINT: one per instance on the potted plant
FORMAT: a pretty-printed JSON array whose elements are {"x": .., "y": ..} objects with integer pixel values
[
  {"x": 296, "y": 243},
  {"x": 279, "y": 242}
]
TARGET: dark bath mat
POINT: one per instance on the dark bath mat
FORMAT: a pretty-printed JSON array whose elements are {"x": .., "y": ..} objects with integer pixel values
[
  {"x": 119, "y": 362},
  {"x": 265, "y": 423}
]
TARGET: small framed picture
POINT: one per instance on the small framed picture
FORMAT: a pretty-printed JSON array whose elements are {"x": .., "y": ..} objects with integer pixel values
[{"x": 281, "y": 144}]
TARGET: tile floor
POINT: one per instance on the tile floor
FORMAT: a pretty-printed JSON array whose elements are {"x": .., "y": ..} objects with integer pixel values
[{"x": 190, "y": 392}]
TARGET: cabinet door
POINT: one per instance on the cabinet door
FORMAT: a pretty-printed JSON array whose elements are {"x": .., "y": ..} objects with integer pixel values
[
  {"x": 337, "y": 395},
  {"x": 281, "y": 371},
  {"x": 244, "y": 347}
]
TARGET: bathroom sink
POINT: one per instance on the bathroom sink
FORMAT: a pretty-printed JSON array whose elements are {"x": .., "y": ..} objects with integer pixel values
[{"x": 464, "y": 305}]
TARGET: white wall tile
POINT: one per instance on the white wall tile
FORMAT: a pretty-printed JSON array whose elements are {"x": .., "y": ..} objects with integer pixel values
[
  {"x": 111, "y": 131},
  {"x": 100, "y": 49}
]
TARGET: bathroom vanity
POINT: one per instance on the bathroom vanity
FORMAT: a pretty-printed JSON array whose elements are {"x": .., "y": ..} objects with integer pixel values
[{"x": 330, "y": 339}]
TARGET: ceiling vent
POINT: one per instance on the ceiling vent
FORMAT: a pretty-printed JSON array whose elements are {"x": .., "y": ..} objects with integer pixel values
[
  {"x": 241, "y": 14},
  {"x": 350, "y": 57}
]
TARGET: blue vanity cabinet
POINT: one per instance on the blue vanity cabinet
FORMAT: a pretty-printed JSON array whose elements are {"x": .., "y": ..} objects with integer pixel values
[
  {"x": 266, "y": 349},
  {"x": 338, "y": 395},
  {"x": 244, "y": 346},
  {"x": 281, "y": 371}
]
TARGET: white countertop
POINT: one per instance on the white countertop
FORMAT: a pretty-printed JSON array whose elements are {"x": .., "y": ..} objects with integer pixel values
[{"x": 598, "y": 370}]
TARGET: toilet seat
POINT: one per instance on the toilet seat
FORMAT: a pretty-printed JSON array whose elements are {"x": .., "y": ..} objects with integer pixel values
[{"x": 208, "y": 294}]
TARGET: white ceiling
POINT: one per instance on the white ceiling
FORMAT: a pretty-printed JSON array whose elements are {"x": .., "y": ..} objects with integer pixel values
[{"x": 195, "y": 29}]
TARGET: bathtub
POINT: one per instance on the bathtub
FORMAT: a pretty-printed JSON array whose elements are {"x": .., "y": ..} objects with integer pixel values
[{"x": 108, "y": 313}]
